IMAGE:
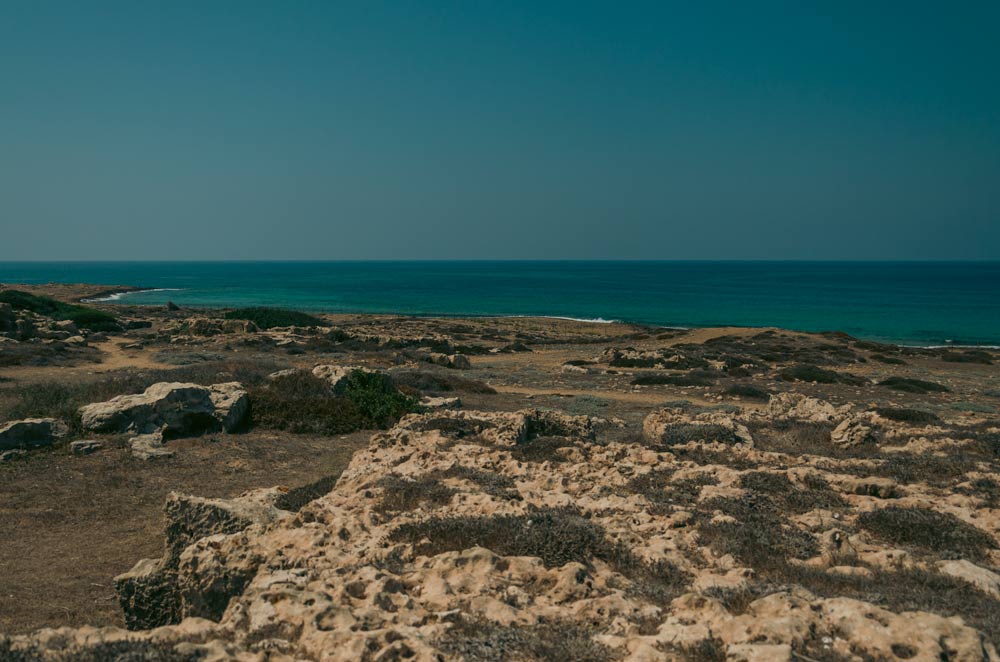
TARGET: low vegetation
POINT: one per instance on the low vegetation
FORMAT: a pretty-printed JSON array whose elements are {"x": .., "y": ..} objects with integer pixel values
[
  {"x": 62, "y": 399},
  {"x": 303, "y": 403},
  {"x": 908, "y": 415},
  {"x": 485, "y": 641},
  {"x": 269, "y": 318},
  {"x": 83, "y": 316},
  {"x": 811, "y": 373},
  {"x": 417, "y": 382},
  {"x": 928, "y": 530},
  {"x": 748, "y": 392},
  {"x": 910, "y": 385},
  {"x": 557, "y": 536}
]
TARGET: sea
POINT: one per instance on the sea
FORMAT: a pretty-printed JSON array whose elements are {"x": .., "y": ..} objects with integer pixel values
[{"x": 913, "y": 303}]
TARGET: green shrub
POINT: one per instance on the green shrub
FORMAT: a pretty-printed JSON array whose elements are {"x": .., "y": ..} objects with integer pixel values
[
  {"x": 376, "y": 397},
  {"x": 303, "y": 403},
  {"x": 84, "y": 317},
  {"x": 269, "y": 318}
]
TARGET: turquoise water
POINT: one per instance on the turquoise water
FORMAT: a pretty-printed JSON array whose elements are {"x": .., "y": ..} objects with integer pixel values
[{"x": 916, "y": 303}]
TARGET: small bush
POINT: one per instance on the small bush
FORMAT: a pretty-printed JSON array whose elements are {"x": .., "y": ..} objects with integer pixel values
[
  {"x": 303, "y": 403},
  {"x": 888, "y": 360},
  {"x": 684, "y": 433},
  {"x": 749, "y": 392},
  {"x": 903, "y": 591},
  {"x": 817, "y": 493},
  {"x": 761, "y": 537},
  {"x": 84, "y": 317},
  {"x": 907, "y": 415},
  {"x": 799, "y": 438},
  {"x": 376, "y": 397},
  {"x": 556, "y": 536},
  {"x": 909, "y": 385},
  {"x": 968, "y": 356},
  {"x": 929, "y": 530},
  {"x": 811, "y": 373},
  {"x": 404, "y": 494},
  {"x": 269, "y": 318},
  {"x": 483, "y": 641},
  {"x": 906, "y": 468}
]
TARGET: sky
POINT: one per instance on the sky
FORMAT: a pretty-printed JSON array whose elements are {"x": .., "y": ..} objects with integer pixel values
[{"x": 241, "y": 130}]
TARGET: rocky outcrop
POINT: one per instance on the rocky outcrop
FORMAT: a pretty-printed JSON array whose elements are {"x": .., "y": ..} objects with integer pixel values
[
  {"x": 784, "y": 406},
  {"x": 675, "y": 425},
  {"x": 461, "y": 531},
  {"x": 155, "y": 593},
  {"x": 335, "y": 374},
  {"x": 171, "y": 407},
  {"x": 31, "y": 433}
]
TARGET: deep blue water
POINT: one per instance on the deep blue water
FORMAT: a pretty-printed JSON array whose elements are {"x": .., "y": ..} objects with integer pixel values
[{"x": 917, "y": 303}]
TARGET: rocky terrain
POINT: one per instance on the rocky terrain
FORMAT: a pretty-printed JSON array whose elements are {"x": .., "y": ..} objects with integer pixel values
[{"x": 521, "y": 489}]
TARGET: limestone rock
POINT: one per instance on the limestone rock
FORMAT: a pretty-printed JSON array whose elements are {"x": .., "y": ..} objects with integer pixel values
[
  {"x": 440, "y": 402},
  {"x": 31, "y": 433},
  {"x": 85, "y": 447},
  {"x": 657, "y": 424},
  {"x": 853, "y": 431},
  {"x": 172, "y": 407},
  {"x": 801, "y": 407},
  {"x": 335, "y": 374},
  {"x": 987, "y": 580},
  {"x": 149, "y": 447}
]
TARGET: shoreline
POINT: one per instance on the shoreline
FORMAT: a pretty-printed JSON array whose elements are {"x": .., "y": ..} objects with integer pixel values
[{"x": 117, "y": 295}]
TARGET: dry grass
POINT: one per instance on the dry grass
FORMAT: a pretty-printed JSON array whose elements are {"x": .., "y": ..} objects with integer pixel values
[{"x": 69, "y": 524}]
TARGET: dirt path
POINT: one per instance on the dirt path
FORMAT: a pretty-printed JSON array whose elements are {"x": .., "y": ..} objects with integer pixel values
[{"x": 113, "y": 357}]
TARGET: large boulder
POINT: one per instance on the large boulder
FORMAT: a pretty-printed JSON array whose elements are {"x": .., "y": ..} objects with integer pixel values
[
  {"x": 172, "y": 407},
  {"x": 31, "y": 433}
]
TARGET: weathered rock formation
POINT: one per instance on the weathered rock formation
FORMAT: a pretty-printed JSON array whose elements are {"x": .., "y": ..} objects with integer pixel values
[
  {"x": 171, "y": 407},
  {"x": 31, "y": 433}
]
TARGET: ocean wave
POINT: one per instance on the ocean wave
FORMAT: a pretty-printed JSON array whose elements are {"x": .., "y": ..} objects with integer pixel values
[
  {"x": 118, "y": 296},
  {"x": 589, "y": 320}
]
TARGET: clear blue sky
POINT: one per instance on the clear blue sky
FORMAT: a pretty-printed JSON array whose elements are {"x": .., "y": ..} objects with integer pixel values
[{"x": 327, "y": 130}]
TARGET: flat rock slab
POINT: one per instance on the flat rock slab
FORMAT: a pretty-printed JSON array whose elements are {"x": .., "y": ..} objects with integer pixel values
[
  {"x": 149, "y": 447},
  {"x": 85, "y": 447}
]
